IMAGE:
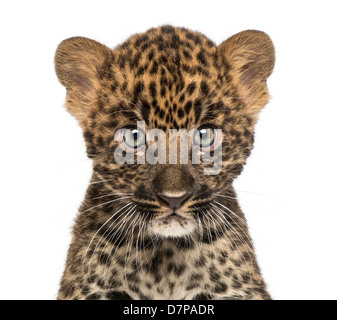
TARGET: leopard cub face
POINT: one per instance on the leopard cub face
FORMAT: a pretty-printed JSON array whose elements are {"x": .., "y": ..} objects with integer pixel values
[{"x": 168, "y": 79}]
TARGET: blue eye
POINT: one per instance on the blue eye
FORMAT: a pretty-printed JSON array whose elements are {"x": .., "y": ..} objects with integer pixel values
[
  {"x": 133, "y": 138},
  {"x": 204, "y": 137}
]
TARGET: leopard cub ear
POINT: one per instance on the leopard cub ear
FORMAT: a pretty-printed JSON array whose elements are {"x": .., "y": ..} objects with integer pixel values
[
  {"x": 77, "y": 64},
  {"x": 250, "y": 57}
]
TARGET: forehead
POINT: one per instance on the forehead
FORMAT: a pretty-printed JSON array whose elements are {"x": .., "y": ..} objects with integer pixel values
[{"x": 167, "y": 76}]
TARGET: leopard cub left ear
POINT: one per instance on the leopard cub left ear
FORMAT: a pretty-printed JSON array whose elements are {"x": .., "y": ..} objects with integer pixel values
[{"x": 250, "y": 57}]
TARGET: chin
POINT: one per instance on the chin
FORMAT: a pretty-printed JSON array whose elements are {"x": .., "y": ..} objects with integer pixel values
[{"x": 173, "y": 226}]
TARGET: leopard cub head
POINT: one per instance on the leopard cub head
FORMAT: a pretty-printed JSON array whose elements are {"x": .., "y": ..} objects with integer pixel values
[{"x": 173, "y": 80}]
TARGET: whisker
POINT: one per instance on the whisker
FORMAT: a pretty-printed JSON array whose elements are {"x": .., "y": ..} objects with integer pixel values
[
  {"x": 113, "y": 194},
  {"x": 124, "y": 218},
  {"x": 101, "y": 181},
  {"x": 86, "y": 252},
  {"x": 105, "y": 203},
  {"x": 222, "y": 205},
  {"x": 129, "y": 246},
  {"x": 242, "y": 241}
]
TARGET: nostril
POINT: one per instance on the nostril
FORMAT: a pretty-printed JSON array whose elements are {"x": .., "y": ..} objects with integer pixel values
[{"x": 174, "y": 202}]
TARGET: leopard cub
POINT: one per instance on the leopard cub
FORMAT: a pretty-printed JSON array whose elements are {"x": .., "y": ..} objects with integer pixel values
[{"x": 164, "y": 229}]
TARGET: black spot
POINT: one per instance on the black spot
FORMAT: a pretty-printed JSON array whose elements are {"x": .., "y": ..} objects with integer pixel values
[
  {"x": 104, "y": 258},
  {"x": 141, "y": 39},
  {"x": 111, "y": 124},
  {"x": 135, "y": 61},
  {"x": 167, "y": 29},
  {"x": 187, "y": 55},
  {"x": 133, "y": 276},
  {"x": 192, "y": 286},
  {"x": 154, "y": 68},
  {"x": 195, "y": 38},
  {"x": 188, "y": 107},
  {"x": 179, "y": 270},
  {"x": 215, "y": 277},
  {"x": 220, "y": 288},
  {"x": 154, "y": 263},
  {"x": 151, "y": 55},
  {"x": 114, "y": 283},
  {"x": 134, "y": 288},
  {"x": 149, "y": 285},
  {"x": 162, "y": 127},
  {"x": 202, "y": 296},
  {"x": 259, "y": 290},
  {"x": 223, "y": 257},
  {"x": 246, "y": 277},
  {"x": 141, "y": 70},
  {"x": 117, "y": 295},
  {"x": 139, "y": 87},
  {"x": 145, "y": 111},
  {"x": 163, "y": 78},
  {"x": 228, "y": 272},
  {"x": 101, "y": 283},
  {"x": 163, "y": 60},
  {"x": 204, "y": 88},
  {"x": 94, "y": 296},
  {"x": 175, "y": 125},
  {"x": 236, "y": 284},
  {"x": 197, "y": 109},
  {"x": 145, "y": 46},
  {"x": 163, "y": 91},
  {"x": 100, "y": 141},
  {"x": 169, "y": 253},
  {"x": 125, "y": 85},
  {"x": 181, "y": 113},
  {"x": 162, "y": 114},
  {"x": 170, "y": 267},
  {"x": 113, "y": 88},
  {"x": 200, "y": 262},
  {"x": 121, "y": 61},
  {"x": 210, "y": 44},
  {"x": 143, "y": 297},
  {"x": 125, "y": 45},
  {"x": 86, "y": 290},
  {"x": 157, "y": 278},
  {"x": 201, "y": 58},
  {"x": 187, "y": 44},
  {"x": 171, "y": 285},
  {"x": 88, "y": 136},
  {"x": 191, "y": 88}
]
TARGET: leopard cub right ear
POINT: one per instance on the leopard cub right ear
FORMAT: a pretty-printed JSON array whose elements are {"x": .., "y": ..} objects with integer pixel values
[{"x": 77, "y": 61}]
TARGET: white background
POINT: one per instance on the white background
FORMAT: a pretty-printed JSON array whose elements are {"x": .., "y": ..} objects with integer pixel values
[{"x": 288, "y": 189}]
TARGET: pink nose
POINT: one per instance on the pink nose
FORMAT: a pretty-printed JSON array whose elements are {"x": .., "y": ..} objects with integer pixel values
[{"x": 175, "y": 203}]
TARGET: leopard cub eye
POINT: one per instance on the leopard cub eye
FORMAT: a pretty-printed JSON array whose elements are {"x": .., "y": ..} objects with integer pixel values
[
  {"x": 133, "y": 138},
  {"x": 204, "y": 136}
]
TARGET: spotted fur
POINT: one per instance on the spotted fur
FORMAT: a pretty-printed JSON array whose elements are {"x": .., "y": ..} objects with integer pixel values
[{"x": 170, "y": 78}]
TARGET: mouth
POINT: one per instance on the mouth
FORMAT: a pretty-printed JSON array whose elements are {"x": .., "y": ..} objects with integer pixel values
[
  {"x": 173, "y": 224},
  {"x": 175, "y": 215},
  {"x": 171, "y": 218}
]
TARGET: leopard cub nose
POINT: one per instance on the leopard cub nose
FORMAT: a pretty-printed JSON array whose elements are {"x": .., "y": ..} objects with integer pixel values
[{"x": 174, "y": 203}]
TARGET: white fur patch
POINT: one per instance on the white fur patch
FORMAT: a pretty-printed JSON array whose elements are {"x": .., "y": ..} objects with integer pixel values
[{"x": 172, "y": 226}]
